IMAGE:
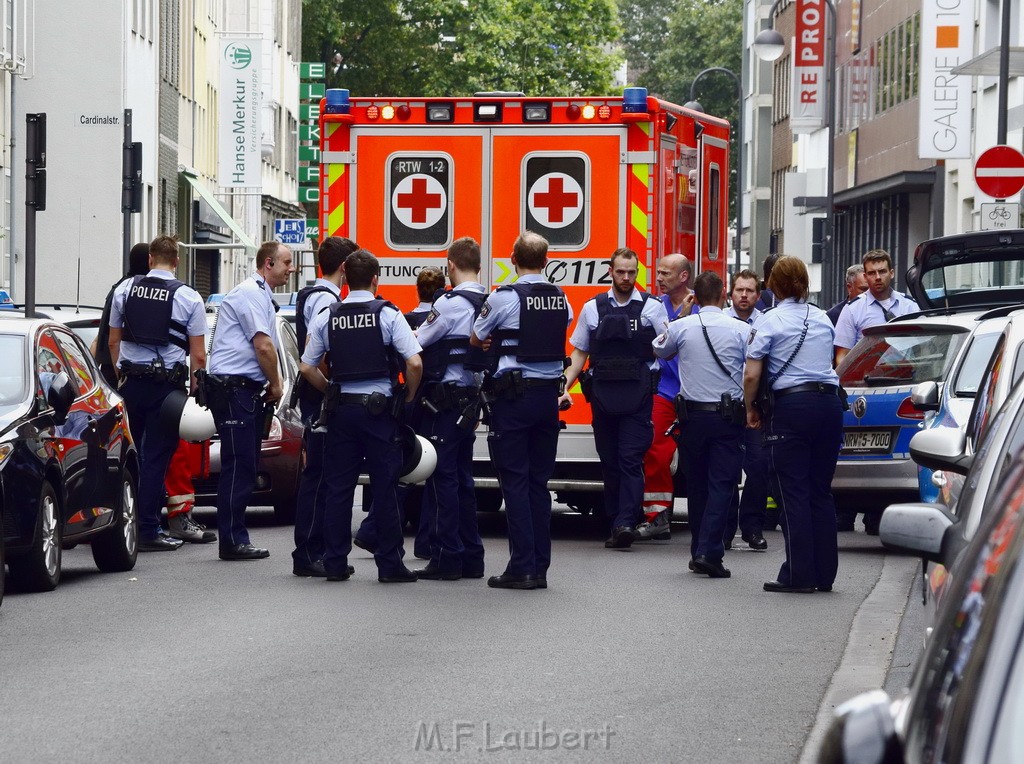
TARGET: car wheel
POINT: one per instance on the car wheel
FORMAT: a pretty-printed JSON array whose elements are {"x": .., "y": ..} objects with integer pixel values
[
  {"x": 117, "y": 549},
  {"x": 38, "y": 570},
  {"x": 284, "y": 512}
]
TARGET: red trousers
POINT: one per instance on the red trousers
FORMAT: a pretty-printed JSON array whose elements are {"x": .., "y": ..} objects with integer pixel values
[
  {"x": 658, "y": 485},
  {"x": 189, "y": 460}
]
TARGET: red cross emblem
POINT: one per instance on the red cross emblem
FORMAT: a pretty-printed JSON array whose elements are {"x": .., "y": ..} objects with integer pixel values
[
  {"x": 556, "y": 200},
  {"x": 419, "y": 201}
]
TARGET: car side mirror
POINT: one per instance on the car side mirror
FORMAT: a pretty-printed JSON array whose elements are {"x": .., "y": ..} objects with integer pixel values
[
  {"x": 925, "y": 396},
  {"x": 862, "y": 731},
  {"x": 942, "y": 448},
  {"x": 60, "y": 396},
  {"x": 917, "y": 528}
]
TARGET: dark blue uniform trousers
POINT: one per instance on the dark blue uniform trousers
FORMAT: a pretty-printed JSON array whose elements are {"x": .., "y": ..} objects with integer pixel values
[
  {"x": 449, "y": 502},
  {"x": 156, "y": 444},
  {"x": 311, "y": 499},
  {"x": 240, "y": 428},
  {"x": 523, "y": 442},
  {"x": 712, "y": 455},
  {"x": 748, "y": 511},
  {"x": 353, "y": 433},
  {"x": 804, "y": 437},
  {"x": 622, "y": 440}
]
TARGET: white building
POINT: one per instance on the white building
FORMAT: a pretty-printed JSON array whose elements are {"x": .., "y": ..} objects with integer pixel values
[{"x": 15, "y": 63}]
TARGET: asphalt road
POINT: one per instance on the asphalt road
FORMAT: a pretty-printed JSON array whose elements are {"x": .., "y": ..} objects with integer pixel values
[{"x": 627, "y": 656}]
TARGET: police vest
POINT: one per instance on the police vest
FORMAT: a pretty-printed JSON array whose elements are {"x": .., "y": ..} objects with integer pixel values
[
  {"x": 416, "y": 318},
  {"x": 543, "y": 317},
  {"x": 301, "y": 329},
  {"x": 439, "y": 356},
  {"x": 147, "y": 313},
  {"x": 356, "y": 341},
  {"x": 620, "y": 351}
]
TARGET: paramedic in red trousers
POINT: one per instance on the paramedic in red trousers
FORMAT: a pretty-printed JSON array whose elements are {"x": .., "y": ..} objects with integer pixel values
[
  {"x": 156, "y": 324},
  {"x": 307, "y": 559},
  {"x": 448, "y": 418},
  {"x": 366, "y": 339},
  {"x": 748, "y": 513},
  {"x": 244, "y": 360},
  {"x": 526, "y": 323},
  {"x": 614, "y": 332},
  {"x": 674, "y": 275},
  {"x": 711, "y": 416}
]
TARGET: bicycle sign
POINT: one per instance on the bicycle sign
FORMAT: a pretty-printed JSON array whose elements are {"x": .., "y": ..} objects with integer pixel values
[{"x": 998, "y": 216}]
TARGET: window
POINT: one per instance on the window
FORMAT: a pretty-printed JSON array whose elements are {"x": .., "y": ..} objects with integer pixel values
[
  {"x": 714, "y": 200},
  {"x": 49, "y": 364},
  {"x": 78, "y": 366},
  {"x": 968, "y": 378},
  {"x": 12, "y": 373},
  {"x": 420, "y": 195},
  {"x": 901, "y": 357},
  {"x": 555, "y": 204}
]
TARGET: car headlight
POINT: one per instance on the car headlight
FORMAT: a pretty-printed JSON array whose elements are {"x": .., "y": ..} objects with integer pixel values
[{"x": 6, "y": 449}]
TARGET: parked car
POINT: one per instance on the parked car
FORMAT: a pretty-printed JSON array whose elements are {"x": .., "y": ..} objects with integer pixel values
[
  {"x": 966, "y": 698},
  {"x": 6, "y": 303},
  {"x": 68, "y": 467},
  {"x": 213, "y": 302},
  {"x": 277, "y": 477},
  {"x": 958, "y": 281}
]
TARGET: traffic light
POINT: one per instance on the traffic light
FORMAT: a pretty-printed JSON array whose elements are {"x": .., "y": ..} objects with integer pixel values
[
  {"x": 818, "y": 234},
  {"x": 131, "y": 187},
  {"x": 35, "y": 161}
]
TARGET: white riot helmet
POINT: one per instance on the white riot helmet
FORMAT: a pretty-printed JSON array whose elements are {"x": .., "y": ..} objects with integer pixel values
[
  {"x": 418, "y": 457},
  {"x": 193, "y": 422}
]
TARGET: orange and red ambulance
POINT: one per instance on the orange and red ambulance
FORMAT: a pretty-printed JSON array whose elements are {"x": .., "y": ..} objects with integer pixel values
[{"x": 405, "y": 177}]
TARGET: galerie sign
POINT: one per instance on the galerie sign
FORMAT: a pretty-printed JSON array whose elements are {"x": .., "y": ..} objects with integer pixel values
[
  {"x": 239, "y": 114},
  {"x": 947, "y": 40}
]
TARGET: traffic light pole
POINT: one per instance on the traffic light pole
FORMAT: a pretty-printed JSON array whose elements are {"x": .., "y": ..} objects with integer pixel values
[
  {"x": 35, "y": 199},
  {"x": 126, "y": 189}
]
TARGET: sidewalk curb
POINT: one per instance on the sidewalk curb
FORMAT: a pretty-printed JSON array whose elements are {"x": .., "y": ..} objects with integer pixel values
[{"x": 869, "y": 649}]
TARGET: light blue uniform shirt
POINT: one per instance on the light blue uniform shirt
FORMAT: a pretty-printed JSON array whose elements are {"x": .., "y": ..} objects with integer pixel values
[
  {"x": 700, "y": 378},
  {"x": 451, "y": 318},
  {"x": 188, "y": 310},
  {"x": 653, "y": 314},
  {"x": 393, "y": 327},
  {"x": 317, "y": 301},
  {"x": 866, "y": 311},
  {"x": 731, "y": 311},
  {"x": 776, "y": 335},
  {"x": 247, "y": 310},
  {"x": 503, "y": 313}
]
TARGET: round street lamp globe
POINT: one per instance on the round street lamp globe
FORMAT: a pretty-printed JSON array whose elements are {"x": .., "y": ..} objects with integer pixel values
[
  {"x": 768, "y": 45},
  {"x": 693, "y": 106}
]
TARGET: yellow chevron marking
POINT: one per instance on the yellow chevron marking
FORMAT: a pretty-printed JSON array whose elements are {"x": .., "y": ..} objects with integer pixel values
[
  {"x": 638, "y": 219},
  {"x": 643, "y": 174}
]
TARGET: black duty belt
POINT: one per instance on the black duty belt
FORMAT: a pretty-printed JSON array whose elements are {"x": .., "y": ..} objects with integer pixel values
[
  {"x": 532, "y": 382},
  {"x": 237, "y": 380},
  {"x": 176, "y": 374},
  {"x": 361, "y": 399},
  {"x": 808, "y": 387},
  {"x": 697, "y": 406}
]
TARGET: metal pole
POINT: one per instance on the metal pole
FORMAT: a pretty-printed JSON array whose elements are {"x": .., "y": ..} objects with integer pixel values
[
  {"x": 739, "y": 147},
  {"x": 829, "y": 268},
  {"x": 30, "y": 262},
  {"x": 126, "y": 191},
  {"x": 1004, "y": 73}
]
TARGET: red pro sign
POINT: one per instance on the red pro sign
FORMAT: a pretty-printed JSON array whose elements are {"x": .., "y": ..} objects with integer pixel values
[
  {"x": 999, "y": 172},
  {"x": 807, "y": 112}
]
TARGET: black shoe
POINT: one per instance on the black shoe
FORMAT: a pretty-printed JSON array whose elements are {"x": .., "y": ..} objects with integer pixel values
[
  {"x": 421, "y": 555},
  {"x": 727, "y": 543},
  {"x": 542, "y": 582},
  {"x": 401, "y": 576},
  {"x": 508, "y": 581},
  {"x": 473, "y": 573},
  {"x": 824, "y": 588},
  {"x": 756, "y": 542},
  {"x": 341, "y": 576},
  {"x": 713, "y": 569},
  {"x": 243, "y": 552},
  {"x": 161, "y": 543},
  {"x": 622, "y": 538},
  {"x": 777, "y": 586},
  {"x": 371, "y": 548},
  {"x": 313, "y": 569},
  {"x": 433, "y": 573},
  {"x": 691, "y": 566}
]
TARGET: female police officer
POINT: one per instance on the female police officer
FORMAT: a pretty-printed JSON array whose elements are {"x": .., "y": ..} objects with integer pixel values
[{"x": 803, "y": 424}]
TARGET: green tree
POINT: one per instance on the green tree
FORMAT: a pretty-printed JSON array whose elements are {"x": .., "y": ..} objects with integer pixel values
[{"x": 644, "y": 34}]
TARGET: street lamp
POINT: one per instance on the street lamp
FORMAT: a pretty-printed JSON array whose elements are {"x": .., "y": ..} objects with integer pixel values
[
  {"x": 769, "y": 45},
  {"x": 694, "y": 105}
]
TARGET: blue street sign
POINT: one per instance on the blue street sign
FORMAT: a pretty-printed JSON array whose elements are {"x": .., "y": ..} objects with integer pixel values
[{"x": 290, "y": 231}]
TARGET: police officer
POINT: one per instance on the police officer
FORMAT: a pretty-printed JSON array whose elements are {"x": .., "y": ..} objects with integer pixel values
[
  {"x": 244, "y": 379},
  {"x": 156, "y": 324},
  {"x": 615, "y": 331},
  {"x": 365, "y": 339},
  {"x": 748, "y": 513},
  {"x": 429, "y": 281},
  {"x": 711, "y": 418},
  {"x": 138, "y": 265},
  {"x": 526, "y": 324},
  {"x": 792, "y": 345},
  {"x": 310, "y": 503},
  {"x": 450, "y": 398}
]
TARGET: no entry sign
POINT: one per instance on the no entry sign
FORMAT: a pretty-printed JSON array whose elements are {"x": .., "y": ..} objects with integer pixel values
[{"x": 999, "y": 172}]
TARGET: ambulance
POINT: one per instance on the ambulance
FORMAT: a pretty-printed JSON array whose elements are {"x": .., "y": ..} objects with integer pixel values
[{"x": 405, "y": 177}]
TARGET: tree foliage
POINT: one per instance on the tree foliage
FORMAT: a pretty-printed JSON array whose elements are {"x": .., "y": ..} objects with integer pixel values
[{"x": 449, "y": 47}]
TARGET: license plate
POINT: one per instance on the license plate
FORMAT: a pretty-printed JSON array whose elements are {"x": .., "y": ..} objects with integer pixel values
[{"x": 867, "y": 441}]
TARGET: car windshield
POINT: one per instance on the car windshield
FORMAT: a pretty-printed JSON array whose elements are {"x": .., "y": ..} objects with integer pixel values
[
  {"x": 901, "y": 357},
  {"x": 13, "y": 377},
  {"x": 87, "y": 332},
  {"x": 982, "y": 280},
  {"x": 973, "y": 368}
]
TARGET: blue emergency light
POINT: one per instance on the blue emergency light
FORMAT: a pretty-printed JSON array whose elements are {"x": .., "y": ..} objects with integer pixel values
[
  {"x": 337, "y": 101},
  {"x": 634, "y": 100}
]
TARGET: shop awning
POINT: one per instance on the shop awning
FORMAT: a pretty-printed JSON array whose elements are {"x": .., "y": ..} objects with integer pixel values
[{"x": 218, "y": 209}]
